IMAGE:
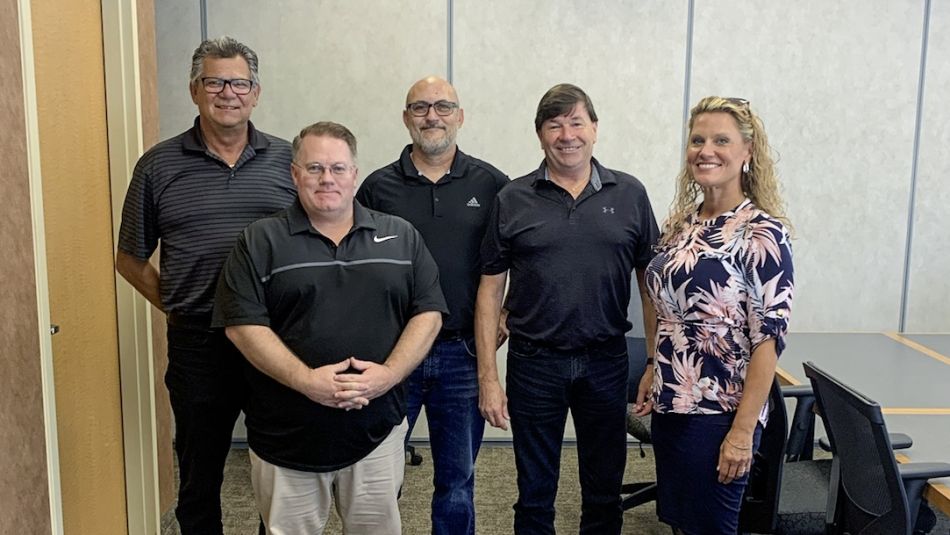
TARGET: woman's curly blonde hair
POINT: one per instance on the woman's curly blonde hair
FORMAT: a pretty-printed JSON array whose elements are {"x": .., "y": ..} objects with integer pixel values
[{"x": 760, "y": 184}]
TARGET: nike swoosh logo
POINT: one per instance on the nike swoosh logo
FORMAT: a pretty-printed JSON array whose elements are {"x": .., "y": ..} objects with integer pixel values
[{"x": 378, "y": 239}]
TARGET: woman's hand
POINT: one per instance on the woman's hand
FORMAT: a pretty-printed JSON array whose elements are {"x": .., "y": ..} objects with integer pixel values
[{"x": 735, "y": 456}]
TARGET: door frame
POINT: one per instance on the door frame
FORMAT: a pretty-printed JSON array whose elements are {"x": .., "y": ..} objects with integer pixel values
[{"x": 134, "y": 313}]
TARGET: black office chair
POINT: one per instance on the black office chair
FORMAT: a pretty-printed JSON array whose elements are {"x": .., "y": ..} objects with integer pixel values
[
  {"x": 787, "y": 490},
  {"x": 634, "y": 494},
  {"x": 876, "y": 495}
]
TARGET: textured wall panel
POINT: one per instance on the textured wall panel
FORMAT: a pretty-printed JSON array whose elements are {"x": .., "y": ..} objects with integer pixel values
[
  {"x": 24, "y": 492},
  {"x": 836, "y": 84},
  {"x": 350, "y": 62},
  {"x": 177, "y": 34},
  {"x": 928, "y": 304}
]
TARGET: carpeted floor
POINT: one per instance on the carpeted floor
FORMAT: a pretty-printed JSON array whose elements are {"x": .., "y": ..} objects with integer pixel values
[{"x": 495, "y": 492}]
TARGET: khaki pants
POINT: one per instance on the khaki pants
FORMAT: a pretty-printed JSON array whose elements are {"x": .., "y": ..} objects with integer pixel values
[{"x": 292, "y": 502}]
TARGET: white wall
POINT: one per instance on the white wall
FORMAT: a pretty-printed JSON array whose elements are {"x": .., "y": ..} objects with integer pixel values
[{"x": 836, "y": 84}]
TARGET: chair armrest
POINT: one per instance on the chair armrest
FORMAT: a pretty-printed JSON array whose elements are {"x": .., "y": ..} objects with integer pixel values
[
  {"x": 899, "y": 441},
  {"x": 916, "y": 471},
  {"x": 797, "y": 391}
]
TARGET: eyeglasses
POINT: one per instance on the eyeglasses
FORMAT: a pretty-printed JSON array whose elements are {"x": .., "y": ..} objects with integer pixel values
[
  {"x": 317, "y": 169},
  {"x": 420, "y": 108},
  {"x": 240, "y": 86},
  {"x": 741, "y": 102}
]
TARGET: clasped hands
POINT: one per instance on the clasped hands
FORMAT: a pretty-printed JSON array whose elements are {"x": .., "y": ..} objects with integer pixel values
[{"x": 349, "y": 384}]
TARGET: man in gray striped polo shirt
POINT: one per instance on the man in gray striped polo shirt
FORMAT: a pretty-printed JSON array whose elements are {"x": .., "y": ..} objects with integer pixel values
[{"x": 194, "y": 193}]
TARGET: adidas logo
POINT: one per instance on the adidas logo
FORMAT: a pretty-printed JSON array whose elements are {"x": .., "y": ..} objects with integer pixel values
[{"x": 473, "y": 203}]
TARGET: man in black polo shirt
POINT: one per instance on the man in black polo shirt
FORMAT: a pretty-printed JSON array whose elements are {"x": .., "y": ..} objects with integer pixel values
[
  {"x": 194, "y": 193},
  {"x": 334, "y": 305},
  {"x": 447, "y": 195},
  {"x": 570, "y": 233}
]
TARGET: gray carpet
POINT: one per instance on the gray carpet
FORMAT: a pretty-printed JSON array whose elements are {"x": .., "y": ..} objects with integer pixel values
[{"x": 495, "y": 492}]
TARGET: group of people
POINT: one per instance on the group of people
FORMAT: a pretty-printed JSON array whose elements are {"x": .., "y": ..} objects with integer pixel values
[{"x": 332, "y": 312}]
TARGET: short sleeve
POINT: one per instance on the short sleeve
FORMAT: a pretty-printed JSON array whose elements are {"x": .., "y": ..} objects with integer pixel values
[
  {"x": 767, "y": 259},
  {"x": 139, "y": 231},
  {"x": 649, "y": 232},
  {"x": 494, "y": 249},
  {"x": 239, "y": 296},
  {"x": 427, "y": 291}
]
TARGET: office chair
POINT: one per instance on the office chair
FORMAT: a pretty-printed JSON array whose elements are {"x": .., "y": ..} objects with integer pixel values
[
  {"x": 875, "y": 494},
  {"x": 787, "y": 490},
  {"x": 634, "y": 494}
]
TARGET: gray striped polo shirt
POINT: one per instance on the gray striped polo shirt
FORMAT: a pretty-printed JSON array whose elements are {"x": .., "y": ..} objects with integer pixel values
[{"x": 194, "y": 203}]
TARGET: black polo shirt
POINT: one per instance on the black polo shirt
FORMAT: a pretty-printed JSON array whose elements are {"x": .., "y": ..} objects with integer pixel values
[
  {"x": 187, "y": 197},
  {"x": 570, "y": 260},
  {"x": 451, "y": 214},
  {"x": 326, "y": 303}
]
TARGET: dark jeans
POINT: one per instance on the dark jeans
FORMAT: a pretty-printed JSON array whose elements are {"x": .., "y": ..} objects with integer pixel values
[
  {"x": 446, "y": 383},
  {"x": 207, "y": 388},
  {"x": 542, "y": 385}
]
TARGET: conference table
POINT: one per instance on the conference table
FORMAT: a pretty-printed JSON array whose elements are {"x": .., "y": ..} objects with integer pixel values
[{"x": 907, "y": 374}]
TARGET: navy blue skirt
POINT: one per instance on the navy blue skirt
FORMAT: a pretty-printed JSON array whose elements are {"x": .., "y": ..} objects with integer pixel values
[{"x": 689, "y": 495}]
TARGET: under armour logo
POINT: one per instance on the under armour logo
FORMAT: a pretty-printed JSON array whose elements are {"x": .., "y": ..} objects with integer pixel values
[
  {"x": 608, "y": 209},
  {"x": 473, "y": 203}
]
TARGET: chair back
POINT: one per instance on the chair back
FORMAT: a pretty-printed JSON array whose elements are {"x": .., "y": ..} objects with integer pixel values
[
  {"x": 759, "y": 512},
  {"x": 872, "y": 497}
]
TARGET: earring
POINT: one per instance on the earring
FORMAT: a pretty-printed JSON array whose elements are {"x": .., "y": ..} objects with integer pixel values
[{"x": 745, "y": 167}]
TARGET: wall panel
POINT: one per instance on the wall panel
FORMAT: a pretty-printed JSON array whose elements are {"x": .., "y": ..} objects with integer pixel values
[
  {"x": 835, "y": 83},
  {"x": 24, "y": 486},
  {"x": 928, "y": 304},
  {"x": 350, "y": 62},
  {"x": 177, "y": 33}
]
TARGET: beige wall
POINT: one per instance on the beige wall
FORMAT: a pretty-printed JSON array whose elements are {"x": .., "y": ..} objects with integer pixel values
[
  {"x": 24, "y": 493},
  {"x": 77, "y": 204}
]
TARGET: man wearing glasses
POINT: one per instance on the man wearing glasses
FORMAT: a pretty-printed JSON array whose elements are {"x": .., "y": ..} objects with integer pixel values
[
  {"x": 194, "y": 193},
  {"x": 334, "y": 305},
  {"x": 447, "y": 195}
]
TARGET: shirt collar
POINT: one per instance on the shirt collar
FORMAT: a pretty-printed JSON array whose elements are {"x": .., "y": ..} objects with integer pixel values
[
  {"x": 194, "y": 142},
  {"x": 457, "y": 170},
  {"x": 599, "y": 175},
  {"x": 298, "y": 221}
]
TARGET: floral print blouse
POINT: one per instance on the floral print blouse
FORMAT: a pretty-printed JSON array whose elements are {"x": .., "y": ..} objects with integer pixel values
[{"x": 723, "y": 287}]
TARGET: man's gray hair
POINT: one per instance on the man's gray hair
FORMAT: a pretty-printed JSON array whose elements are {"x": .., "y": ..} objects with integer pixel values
[{"x": 222, "y": 48}]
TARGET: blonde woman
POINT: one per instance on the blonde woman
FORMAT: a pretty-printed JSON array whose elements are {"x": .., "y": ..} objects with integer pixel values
[{"x": 722, "y": 287}]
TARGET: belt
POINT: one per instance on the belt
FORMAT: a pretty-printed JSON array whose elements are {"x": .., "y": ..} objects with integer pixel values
[
  {"x": 453, "y": 334},
  {"x": 195, "y": 321}
]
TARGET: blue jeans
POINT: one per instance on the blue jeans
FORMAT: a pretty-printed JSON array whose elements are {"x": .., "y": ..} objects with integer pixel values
[
  {"x": 543, "y": 384},
  {"x": 446, "y": 382},
  {"x": 207, "y": 389}
]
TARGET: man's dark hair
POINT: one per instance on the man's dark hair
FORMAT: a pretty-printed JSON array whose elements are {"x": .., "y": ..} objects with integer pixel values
[{"x": 559, "y": 100}]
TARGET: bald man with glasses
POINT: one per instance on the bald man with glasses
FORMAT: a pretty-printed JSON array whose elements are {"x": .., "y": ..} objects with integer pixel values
[{"x": 447, "y": 195}]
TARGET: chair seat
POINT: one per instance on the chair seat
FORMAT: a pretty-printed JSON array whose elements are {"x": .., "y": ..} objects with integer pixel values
[
  {"x": 804, "y": 497},
  {"x": 638, "y": 426}
]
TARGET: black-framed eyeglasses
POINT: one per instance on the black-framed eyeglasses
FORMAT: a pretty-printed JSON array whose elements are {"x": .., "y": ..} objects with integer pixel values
[
  {"x": 317, "y": 169},
  {"x": 240, "y": 86},
  {"x": 420, "y": 108}
]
